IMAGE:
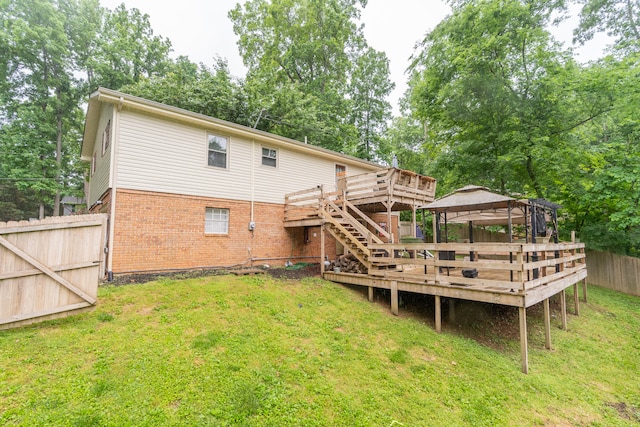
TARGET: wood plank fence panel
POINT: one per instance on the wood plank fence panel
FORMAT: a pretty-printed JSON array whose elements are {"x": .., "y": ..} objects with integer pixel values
[
  {"x": 50, "y": 268},
  {"x": 620, "y": 273}
]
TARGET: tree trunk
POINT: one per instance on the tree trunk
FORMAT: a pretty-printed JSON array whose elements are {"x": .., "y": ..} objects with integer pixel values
[
  {"x": 534, "y": 178},
  {"x": 56, "y": 200}
]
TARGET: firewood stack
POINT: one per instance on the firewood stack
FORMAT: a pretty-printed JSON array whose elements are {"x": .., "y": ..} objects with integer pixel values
[{"x": 348, "y": 264}]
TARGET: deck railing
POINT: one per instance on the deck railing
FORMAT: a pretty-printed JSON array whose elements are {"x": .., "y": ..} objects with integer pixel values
[
  {"x": 304, "y": 204},
  {"x": 378, "y": 186},
  {"x": 509, "y": 266},
  {"x": 371, "y": 187}
]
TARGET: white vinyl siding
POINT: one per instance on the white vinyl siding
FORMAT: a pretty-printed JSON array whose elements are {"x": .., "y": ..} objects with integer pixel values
[
  {"x": 216, "y": 221},
  {"x": 99, "y": 180},
  {"x": 164, "y": 156}
]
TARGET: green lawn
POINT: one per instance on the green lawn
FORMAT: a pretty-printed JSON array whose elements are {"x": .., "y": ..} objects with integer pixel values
[{"x": 257, "y": 351}]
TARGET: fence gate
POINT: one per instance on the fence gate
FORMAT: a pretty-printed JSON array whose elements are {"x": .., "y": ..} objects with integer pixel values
[{"x": 50, "y": 268}]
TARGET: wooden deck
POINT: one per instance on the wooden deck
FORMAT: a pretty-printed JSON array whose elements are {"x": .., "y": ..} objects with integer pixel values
[
  {"x": 518, "y": 275},
  {"x": 513, "y": 274},
  {"x": 387, "y": 190},
  {"x": 394, "y": 189}
]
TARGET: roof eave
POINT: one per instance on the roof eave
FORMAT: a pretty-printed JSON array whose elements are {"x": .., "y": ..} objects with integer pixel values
[{"x": 124, "y": 100}]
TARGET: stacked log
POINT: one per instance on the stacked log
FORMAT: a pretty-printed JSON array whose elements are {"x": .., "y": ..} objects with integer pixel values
[{"x": 348, "y": 264}]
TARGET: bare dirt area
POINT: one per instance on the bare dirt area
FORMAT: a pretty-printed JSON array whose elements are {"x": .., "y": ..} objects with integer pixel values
[
  {"x": 130, "y": 279},
  {"x": 294, "y": 272},
  {"x": 492, "y": 325},
  {"x": 625, "y": 411}
]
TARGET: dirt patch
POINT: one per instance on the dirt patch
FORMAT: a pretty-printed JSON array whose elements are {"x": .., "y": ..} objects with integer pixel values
[
  {"x": 130, "y": 279},
  {"x": 625, "y": 411},
  {"x": 492, "y": 325},
  {"x": 295, "y": 272}
]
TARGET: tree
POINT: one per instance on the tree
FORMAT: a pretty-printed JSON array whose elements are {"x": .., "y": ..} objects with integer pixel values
[
  {"x": 39, "y": 98},
  {"x": 618, "y": 18},
  {"x": 501, "y": 95},
  {"x": 127, "y": 50},
  {"x": 46, "y": 46},
  {"x": 303, "y": 79},
  {"x": 210, "y": 91},
  {"x": 603, "y": 204},
  {"x": 369, "y": 88}
]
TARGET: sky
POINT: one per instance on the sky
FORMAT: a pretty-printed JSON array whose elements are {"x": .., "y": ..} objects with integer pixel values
[{"x": 201, "y": 30}]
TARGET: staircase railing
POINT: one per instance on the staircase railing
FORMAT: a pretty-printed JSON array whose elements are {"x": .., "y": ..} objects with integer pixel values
[
  {"x": 381, "y": 231},
  {"x": 362, "y": 252},
  {"x": 353, "y": 222}
]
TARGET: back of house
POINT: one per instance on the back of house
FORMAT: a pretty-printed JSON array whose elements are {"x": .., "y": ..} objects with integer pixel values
[{"x": 187, "y": 191}]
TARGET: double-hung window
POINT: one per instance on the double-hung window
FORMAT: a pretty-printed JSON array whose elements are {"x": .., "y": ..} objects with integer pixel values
[
  {"x": 216, "y": 221},
  {"x": 217, "y": 151},
  {"x": 269, "y": 157}
]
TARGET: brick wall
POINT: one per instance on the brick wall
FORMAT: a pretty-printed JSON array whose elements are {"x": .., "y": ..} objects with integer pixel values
[
  {"x": 157, "y": 231},
  {"x": 105, "y": 206},
  {"x": 381, "y": 218}
]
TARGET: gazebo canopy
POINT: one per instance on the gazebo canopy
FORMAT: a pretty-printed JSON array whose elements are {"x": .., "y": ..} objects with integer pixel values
[{"x": 478, "y": 204}]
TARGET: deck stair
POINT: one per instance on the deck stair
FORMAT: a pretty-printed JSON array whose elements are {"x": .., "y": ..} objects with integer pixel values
[
  {"x": 346, "y": 223},
  {"x": 346, "y": 213}
]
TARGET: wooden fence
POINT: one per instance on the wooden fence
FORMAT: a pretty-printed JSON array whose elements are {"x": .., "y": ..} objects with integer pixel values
[
  {"x": 620, "y": 273},
  {"x": 50, "y": 268}
]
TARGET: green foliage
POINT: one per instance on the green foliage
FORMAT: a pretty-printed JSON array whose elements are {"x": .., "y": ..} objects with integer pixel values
[
  {"x": 399, "y": 356},
  {"x": 369, "y": 87},
  {"x": 210, "y": 91},
  {"x": 127, "y": 50},
  {"x": 337, "y": 360},
  {"x": 617, "y": 18},
  {"x": 311, "y": 75},
  {"x": 502, "y": 105},
  {"x": 603, "y": 204},
  {"x": 406, "y": 139},
  {"x": 492, "y": 86},
  {"x": 47, "y": 45}
]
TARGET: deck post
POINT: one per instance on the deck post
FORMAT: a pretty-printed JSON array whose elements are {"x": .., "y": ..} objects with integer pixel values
[
  {"x": 414, "y": 222},
  {"x": 322, "y": 255},
  {"x": 389, "y": 224},
  {"x": 547, "y": 324},
  {"x": 438, "y": 314},
  {"x": 394, "y": 297},
  {"x": 370, "y": 293},
  {"x": 584, "y": 290},
  {"x": 523, "y": 340},
  {"x": 576, "y": 299},
  {"x": 563, "y": 308},
  {"x": 436, "y": 252}
]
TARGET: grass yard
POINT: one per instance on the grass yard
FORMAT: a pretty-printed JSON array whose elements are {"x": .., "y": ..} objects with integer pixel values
[{"x": 258, "y": 351}]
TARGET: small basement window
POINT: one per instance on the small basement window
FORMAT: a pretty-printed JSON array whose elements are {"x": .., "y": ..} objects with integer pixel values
[
  {"x": 217, "y": 151},
  {"x": 216, "y": 221},
  {"x": 269, "y": 157}
]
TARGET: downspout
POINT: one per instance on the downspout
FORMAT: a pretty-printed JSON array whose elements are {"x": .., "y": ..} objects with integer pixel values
[
  {"x": 253, "y": 165},
  {"x": 252, "y": 224},
  {"x": 114, "y": 179}
]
